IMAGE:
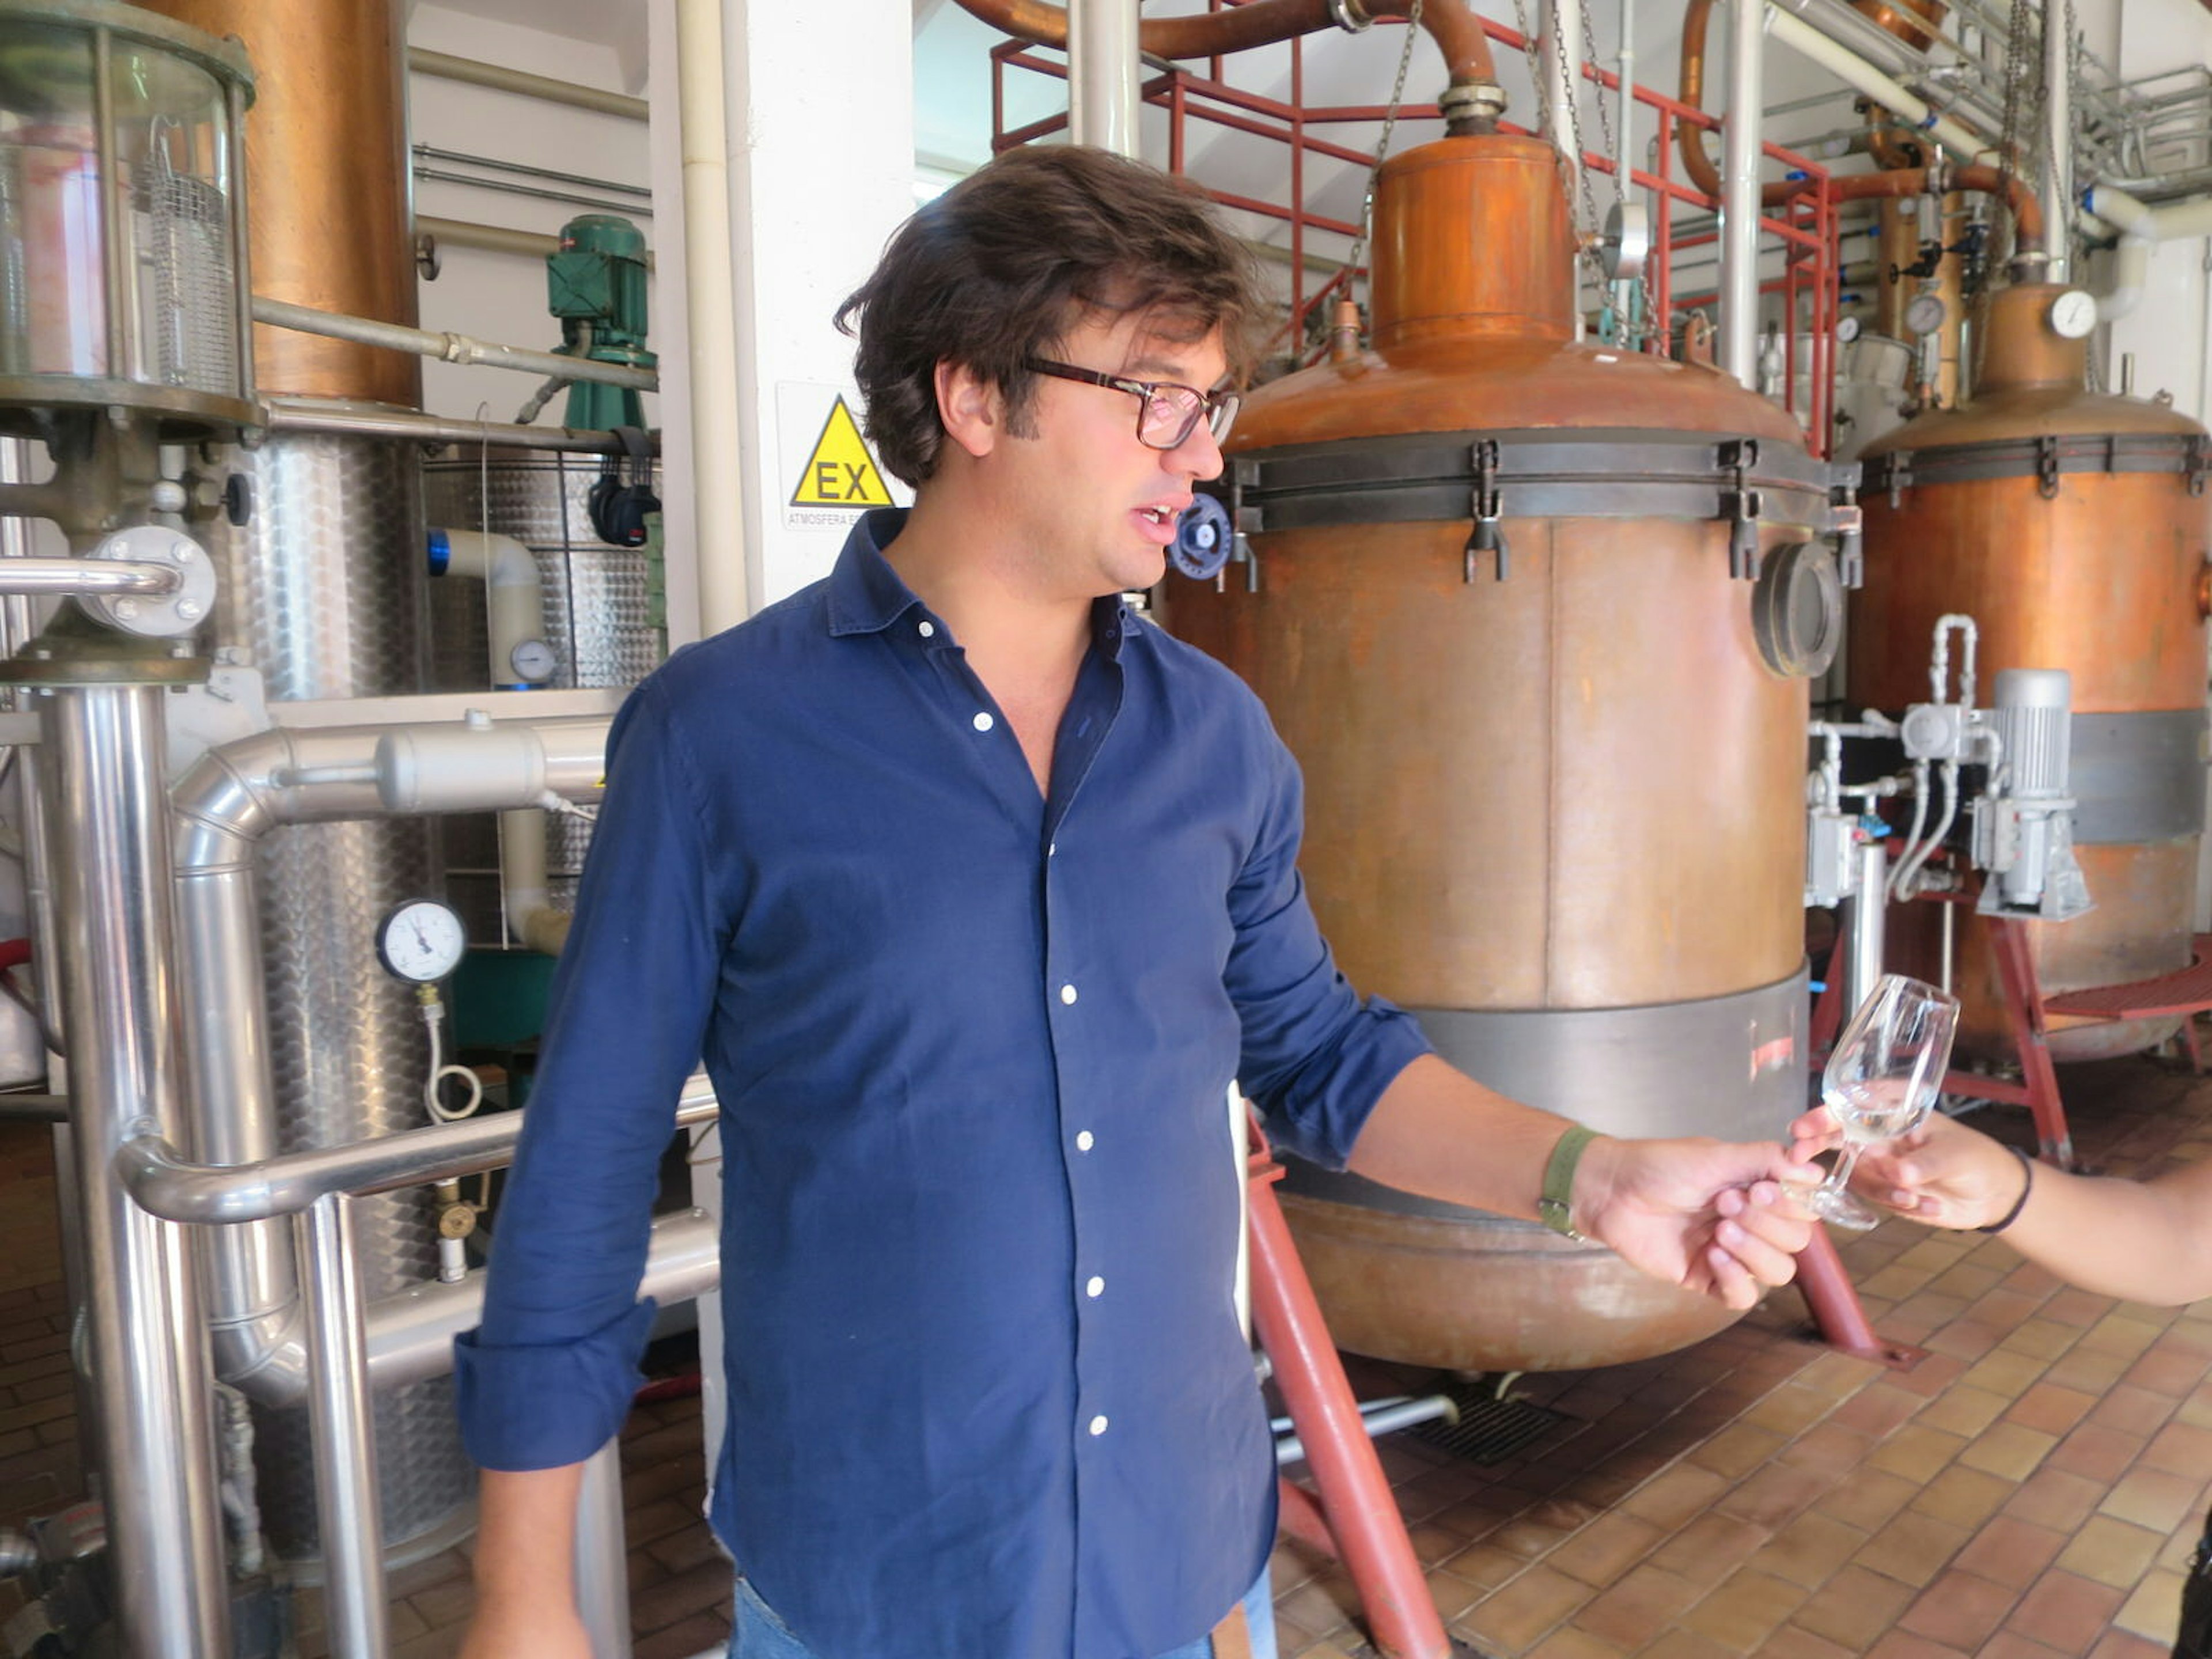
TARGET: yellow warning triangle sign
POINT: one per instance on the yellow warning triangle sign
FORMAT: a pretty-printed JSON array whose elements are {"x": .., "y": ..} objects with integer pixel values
[{"x": 841, "y": 472}]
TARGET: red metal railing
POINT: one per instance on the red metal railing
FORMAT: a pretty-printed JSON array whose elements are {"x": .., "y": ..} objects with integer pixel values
[{"x": 1804, "y": 226}]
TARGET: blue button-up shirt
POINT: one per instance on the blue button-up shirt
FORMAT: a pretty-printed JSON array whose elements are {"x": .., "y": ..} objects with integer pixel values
[{"x": 988, "y": 1395}]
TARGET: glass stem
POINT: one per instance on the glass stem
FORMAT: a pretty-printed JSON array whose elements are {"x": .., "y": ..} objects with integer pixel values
[{"x": 1839, "y": 1178}]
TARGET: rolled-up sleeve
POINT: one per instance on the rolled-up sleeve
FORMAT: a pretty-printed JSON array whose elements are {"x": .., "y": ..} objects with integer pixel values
[
  {"x": 1316, "y": 1058},
  {"x": 548, "y": 1376}
]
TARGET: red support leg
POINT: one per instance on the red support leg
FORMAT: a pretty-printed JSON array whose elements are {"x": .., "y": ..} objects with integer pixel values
[
  {"x": 2023, "y": 998},
  {"x": 1362, "y": 1516},
  {"x": 1833, "y": 1302}
]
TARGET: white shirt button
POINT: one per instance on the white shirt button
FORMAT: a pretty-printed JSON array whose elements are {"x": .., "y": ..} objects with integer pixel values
[
  {"x": 928, "y": 629},
  {"x": 1098, "y": 1425},
  {"x": 983, "y": 721},
  {"x": 1083, "y": 1140},
  {"x": 1067, "y": 994},
  {"x": 1095, "y": 1288}
]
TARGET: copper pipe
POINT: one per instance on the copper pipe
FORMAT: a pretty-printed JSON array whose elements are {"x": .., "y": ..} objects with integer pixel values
[
  {"x": 1452, "y": 24},
  {"x": 2027, "y": 210}
]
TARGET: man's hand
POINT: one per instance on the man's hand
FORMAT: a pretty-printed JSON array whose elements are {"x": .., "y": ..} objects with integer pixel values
[
  {"x": 1942, "y": 1174},
  {"x": 1712, "y": 1216}
]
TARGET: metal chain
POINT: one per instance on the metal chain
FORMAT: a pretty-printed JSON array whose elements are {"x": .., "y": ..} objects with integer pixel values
[
  {"x": 1542, "y": 82},
  {"x": 1382, "y": 149},
  {"x": 1604, "y": 120},
  {"x": 2016, "y": 83}
]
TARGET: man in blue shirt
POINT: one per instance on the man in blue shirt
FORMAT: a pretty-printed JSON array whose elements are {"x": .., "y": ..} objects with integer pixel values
[{"x": 975, "y": 891}]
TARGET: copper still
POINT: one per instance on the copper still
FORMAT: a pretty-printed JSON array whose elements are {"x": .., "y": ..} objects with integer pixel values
[
  {"x": 1535, "y": 616},
  {"x": 2073, "y": 527}
]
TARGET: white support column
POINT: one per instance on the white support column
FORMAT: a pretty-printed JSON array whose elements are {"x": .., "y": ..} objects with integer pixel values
[
  {"x": 1103, "y": 74},
  {"x": 1739, "y": 331}
]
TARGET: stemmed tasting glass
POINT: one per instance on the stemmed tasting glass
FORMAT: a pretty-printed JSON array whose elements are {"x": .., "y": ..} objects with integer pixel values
[{"x": 1882, "y": 1079}]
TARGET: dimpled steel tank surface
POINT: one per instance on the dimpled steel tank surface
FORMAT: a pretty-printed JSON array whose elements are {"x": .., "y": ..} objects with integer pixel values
[{"x": 1554, "y": 772}]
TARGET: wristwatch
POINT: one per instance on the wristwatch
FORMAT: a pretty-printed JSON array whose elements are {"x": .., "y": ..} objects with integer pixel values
[{"x": 1555, "y": 1207}]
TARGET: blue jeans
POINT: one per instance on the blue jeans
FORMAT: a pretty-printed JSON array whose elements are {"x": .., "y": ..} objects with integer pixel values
[{"x": 761, "y": 1635}]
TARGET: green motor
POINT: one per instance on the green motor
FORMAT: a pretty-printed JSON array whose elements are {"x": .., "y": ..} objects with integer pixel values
[{"x": 595, "y": 284}]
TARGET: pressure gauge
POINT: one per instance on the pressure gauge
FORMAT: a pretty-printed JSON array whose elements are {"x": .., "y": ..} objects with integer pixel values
[
  {"x": 1925, "y": 314},
  {"x": 1847, "y": 330},
  {"x": 2073, "y": 314},
  {"x": 533, "y": 661},
  {"x": 422, "y": 941}
]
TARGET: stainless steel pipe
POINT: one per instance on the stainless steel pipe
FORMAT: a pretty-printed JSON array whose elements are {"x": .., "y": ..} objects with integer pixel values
[
  {"x": 1740, "y": 196},
  {"x": 35, "y": 577},
  {"x": 100, "y": 755},
  {"x": 169, "y": 1185},
  {"x": 2058, "y": 140},
  {"x": 224, "y": 805},
  {"x": 411, "y": 1335},
  {"x": 602, "y": 1569},
  {"x": 523, "y": 84},
  {"x": 360, "y": 421},
  {"x": 449, "y": 348},
  {"x": 348, "y": 1510},
  {"x": 1868, "y": 940},
  {"x": 1103, "y": 69}
]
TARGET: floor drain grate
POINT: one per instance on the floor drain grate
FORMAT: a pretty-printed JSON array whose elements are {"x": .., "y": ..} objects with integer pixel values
[{"x": 1489, "y": 1430}]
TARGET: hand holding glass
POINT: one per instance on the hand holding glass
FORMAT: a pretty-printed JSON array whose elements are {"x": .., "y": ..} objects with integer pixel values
[{"x": 1882, "y": 1079}]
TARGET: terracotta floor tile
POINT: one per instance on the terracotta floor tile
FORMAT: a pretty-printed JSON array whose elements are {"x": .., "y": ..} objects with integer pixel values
[
  {"x": 2154, "y": 1498},
  {"x": 1877, "y": 1409},
  {"x": 2044, "y": 1338},
  {"x": 1931, "y": 1375},
  {"x": 2009, "y": 1645},
  {"x": 2005, "y": 1372},
  {"x": 1686, "y": 1644},
  {"x": 1745, "y": 1610},
  {"x": 2098, "y": 1454},
  {"x": 1487, "y": 1565},
  {"x": 2121, "y": 1331},
  {"x": 1672, "y": 1496},
  {"x": 1774, "y": 1495},
  {"x": 1572, "y": 1644},
  {"x": 2167, "y": 1373},
  {"x": 1913, "y": 1548},
  {"x": 1966, "y": 1496},
  {"x": 1963, "y": 1410},
  {"x": 1917, "y": 1451},
  {"x": 1809, "y": 1550},
  {"x": 2111, "y": 1552},
  {"x": 2092, "y": 1373},
  {"x": 1515, "y": 1617},
  {"x": 2064, "y": 1611},
  {"x": 2009, "y": 1550},
  {"x": 1736, "y": 1451},
  {"x": 2122, "y": 1644},
  {"x": 2077, "y": 1307},
  {"x": 1646, "y": 1600},
  {"x": 2051, "y": 1408},
  {"x": 1790, "y": 1410},
  {"x": 1872, "y": 1496},
  {"x": 2135, "y": 1410},
  {"x": 1710, "y": 1548},
  {"x": 2055, "y": 1497},
  {"x": 2009, "y": 1451},
  {"x": 2154, "y": 1608},
  {"x": 1452, "y": 1594},
  {"x": 1606, "y": 1548},
  {"x": 1959, "y": 1608},
  {"x": 1830, "y": 1450},
  {"x": 1854, "y": 1607},
  {"x": 2180, "y": 1449}
]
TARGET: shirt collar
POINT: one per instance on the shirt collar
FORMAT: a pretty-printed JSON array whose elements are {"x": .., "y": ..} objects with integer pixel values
[{"x": 866, "y": 595}]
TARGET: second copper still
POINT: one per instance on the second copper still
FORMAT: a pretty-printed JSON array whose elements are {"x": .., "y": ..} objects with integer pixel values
[{"x": 1534, "y": 615}]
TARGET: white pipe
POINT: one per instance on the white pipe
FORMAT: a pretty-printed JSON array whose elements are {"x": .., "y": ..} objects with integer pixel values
[
  {"x": 1561, "y": 45},
  {"x": 501, "y": 78},
  {"x": 2058, "y": 140},
  {"x": 2138, "y": 228},
  {"x": 515, "y": 612},
  {"x": 1855, "y": 72},
  {"x": 1740, "y": 196},
  {"x": 1102, "y": 67},
  {"x": 710, "y": 317}
]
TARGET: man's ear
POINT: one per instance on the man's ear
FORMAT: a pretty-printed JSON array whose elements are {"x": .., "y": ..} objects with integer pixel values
[{"x": 972, "y": 409}]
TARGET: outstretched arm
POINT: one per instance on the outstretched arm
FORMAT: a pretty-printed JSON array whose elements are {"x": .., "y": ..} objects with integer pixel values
[
  {"x": 2147, "y": 1240},
  {"x": 1709, "y": 1215}
]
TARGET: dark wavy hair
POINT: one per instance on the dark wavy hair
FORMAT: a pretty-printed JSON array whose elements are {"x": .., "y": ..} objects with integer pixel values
[{"x": 1004, "y": 265}]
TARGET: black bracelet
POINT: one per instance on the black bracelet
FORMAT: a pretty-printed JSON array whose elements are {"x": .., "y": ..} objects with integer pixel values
[{"x": 2027, "y": 1186}]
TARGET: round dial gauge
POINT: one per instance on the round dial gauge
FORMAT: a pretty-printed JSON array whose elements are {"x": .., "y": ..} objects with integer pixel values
[
  {"x": 1924, "y": 315},
  {"x": 2073, "y": 314},
  {"x": 1847, "y": 330},
  {"x": 533, "y": 660},
  {"x": 422, "y": 941}
]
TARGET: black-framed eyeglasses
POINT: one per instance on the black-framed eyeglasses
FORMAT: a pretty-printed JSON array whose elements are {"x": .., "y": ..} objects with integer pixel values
[{"x": 1167, "y": 414}]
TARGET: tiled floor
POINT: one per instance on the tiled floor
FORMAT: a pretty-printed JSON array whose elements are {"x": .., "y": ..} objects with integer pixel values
[{"x": 2032, "y": 1488}]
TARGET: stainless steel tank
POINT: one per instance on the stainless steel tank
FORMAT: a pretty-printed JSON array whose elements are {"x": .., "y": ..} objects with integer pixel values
[
  {"x": 1534, "y": 615},
  {"x": 2075, "y": 527},
  {"x": 605, "y": 619}
]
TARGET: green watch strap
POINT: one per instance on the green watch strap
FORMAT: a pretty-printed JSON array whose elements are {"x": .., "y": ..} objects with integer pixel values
[{"x": 1554, "y": 1208}]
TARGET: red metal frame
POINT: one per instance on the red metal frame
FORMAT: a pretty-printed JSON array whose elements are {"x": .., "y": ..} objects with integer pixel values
[
  {"x": 1353, "y": 1515},
  {"x": 1805, "y": 226}
]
